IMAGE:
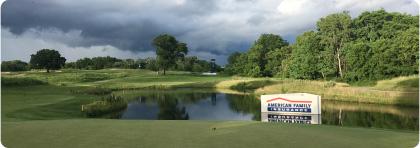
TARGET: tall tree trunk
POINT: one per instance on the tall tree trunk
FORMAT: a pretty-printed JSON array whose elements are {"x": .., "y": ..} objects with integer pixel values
[
  {"x": 164, "y": 71},
  {"x": 48, "y": 70},
  {"x": 339, "y": 65}
]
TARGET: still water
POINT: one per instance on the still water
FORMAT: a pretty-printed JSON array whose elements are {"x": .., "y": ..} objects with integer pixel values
[{"x": 205, "y": 105}]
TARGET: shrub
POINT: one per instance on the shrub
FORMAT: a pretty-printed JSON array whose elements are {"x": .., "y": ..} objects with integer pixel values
[
  {"x": 15, "y": 65},
  {"x": 18, "y": 81},
  {"x": 105, "y": 105}
]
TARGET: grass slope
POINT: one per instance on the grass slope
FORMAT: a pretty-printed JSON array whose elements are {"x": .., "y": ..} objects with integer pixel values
[{"x": 104, "y": 133}]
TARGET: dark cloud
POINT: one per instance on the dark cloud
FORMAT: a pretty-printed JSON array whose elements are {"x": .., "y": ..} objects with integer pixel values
[
  {"x": 209, "y": 27},
  {"x": 127, "y": 30}
]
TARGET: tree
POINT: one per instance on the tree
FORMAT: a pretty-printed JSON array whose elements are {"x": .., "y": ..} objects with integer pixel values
[
  {"x": 233, "y": 66},
  {"x": 47, "y": 59},
  {"x": 335, "y": 32},
  {"x": 275, "y": 60},
  {"x": 257, "y": 55},
  {"x": 305, "y": 57},
  {"x": 168, "y": 50}
]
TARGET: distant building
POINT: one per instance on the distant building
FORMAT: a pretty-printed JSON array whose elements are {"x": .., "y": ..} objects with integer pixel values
[{"x": 212, "y": 68}]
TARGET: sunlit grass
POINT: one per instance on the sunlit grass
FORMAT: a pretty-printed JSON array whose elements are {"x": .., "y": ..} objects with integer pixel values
[{"x": 403, "y": 83}]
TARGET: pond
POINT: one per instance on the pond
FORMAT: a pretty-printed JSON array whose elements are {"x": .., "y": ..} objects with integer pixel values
[{"x": 188, "y": 104}]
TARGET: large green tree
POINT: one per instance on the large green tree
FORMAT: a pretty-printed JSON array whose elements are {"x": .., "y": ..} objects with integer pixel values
[
  {"x": 305, "y": 59},
  {"x": 47, "y": 59},
  {"x": 335, "y": 31},
  {"x": 258, "y": 54},
  {"x": 275, "y": 61},
  {"x": 168, "y": 50}
]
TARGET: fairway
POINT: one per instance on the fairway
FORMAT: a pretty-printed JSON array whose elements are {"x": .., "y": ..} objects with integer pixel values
[{"x": 103, "y": 133}]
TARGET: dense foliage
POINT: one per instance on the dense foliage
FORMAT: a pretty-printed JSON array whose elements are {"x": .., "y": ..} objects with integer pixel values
[
  {"x": 375, "y": 45},
  {"x": 15, "y": 65},
  {"x": 47, "y": 59}
]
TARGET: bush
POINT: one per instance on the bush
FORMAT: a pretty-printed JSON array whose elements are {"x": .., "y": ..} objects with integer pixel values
[
  {"x": 104, "y": 106},
  {"x": 17, "y": 81},
  {"x": 15, "y": 65}
]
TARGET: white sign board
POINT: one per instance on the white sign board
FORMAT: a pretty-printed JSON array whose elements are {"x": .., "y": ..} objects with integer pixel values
[
  {"x": 286, "y": 118},
  {"x": 296, "y": 103}
]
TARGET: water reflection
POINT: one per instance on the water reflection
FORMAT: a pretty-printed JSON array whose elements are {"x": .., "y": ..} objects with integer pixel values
[
  {"x": 205, "y": 105},
  {"x": 369, "y": 115}
]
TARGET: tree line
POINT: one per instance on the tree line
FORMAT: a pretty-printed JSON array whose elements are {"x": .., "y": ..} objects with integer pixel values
[
  {"x": 374, "y": 45},
  {"x": 188, "y": 63},
  {"x": 170, "y": 55}
]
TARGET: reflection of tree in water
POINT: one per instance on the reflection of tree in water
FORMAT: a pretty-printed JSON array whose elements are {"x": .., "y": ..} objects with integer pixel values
[
  {"x": 370, "y": 119},
  {"x": 169, "y": 110},
  {"x": 213, "y": 99},
  {"x": 245, "y": 104}
]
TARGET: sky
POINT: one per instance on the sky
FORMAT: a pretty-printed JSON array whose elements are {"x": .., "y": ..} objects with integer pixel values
[{"x": 125, "y": 28}]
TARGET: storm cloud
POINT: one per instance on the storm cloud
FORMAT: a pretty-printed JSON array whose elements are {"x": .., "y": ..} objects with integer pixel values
[{"x": 211, "y": 28}]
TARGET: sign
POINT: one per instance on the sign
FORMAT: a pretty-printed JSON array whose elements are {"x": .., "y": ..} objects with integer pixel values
[
  {"x": 286, "y": 118},
  {"x": 296, "y": 103}
]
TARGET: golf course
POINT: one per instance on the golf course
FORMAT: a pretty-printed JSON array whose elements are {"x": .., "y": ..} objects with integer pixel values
[
  {"x": 45, "y": 110},
  {"x": 209, "y": 74}
]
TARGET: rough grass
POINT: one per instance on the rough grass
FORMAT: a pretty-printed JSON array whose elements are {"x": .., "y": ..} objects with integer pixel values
[
  {"x": 103, "y": 133},
  {"x": 251, "y": 85},
  {"x": 106, "y": 105},
  {"x": 403, "y": 83}
]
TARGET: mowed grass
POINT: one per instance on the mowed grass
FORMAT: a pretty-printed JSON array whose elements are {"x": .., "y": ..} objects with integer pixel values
[
  {"x": 103, "y": 133},
  {"x": 41, "y": 103}
]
